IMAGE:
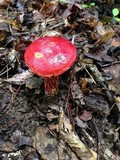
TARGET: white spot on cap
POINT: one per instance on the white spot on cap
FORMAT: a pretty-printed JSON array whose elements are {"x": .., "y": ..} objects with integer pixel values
[
  {"x": 38, "y": 55},
  {"x": 58, "y": 59}
]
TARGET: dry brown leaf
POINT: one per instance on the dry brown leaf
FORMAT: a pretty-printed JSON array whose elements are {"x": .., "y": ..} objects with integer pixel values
[
  {"x": 4, "y": 3},
  {"x": 116, "y": 41},
  {"x": 103, "y": 33},
  {"x": 20, "y": 78},
  {"x": 96, "y": 102},
  {"x": 53, "y": 127},
  {"x": 3, "y": 35},
  {"x": 113, "y": 71},
  {"x": 45, "y": 144},
  {"x": 82, "y": 150},
  {"x": 52, "y": 33},
  {"x": 49, "y": 147},
  {"x": 96, "y": 74},
  {"x": 51, "y": 116},
  {"x": 108, "y": 155},
  {"x": 67, "y": 133},
  {"x": 84, "y": 86},
  {"x": 15, "y": 25},
  {"x": 76, "y": 93},
  {"x": 114, "y": 85},
  {"x": 117, "y": 100}
]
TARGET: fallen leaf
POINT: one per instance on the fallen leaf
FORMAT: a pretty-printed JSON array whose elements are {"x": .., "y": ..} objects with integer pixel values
[
  {"x": 72, "y": 139},
  {"x": 4, "y": 3},
  {"x": 51, "y": 116},
  {"x": 84, "y": 86},
  {"x": 20, "y": 78},
  {"x": 45, "y": 144},
  {"x": 86, "y": 115},
  {"x": 102, "y": 33},
  {"x": 3, "y": 35},
  {"x": 114, "y": 85},
  {"x": 33, "y": 82},
  {"x": 115, "y": 41},
  {"x": 113, "y": 71},
  {"x": 76, "y": 93},
  {"x": 80, "y": 123},
  {"x": 20, "y": 5},
  {"x": 97, "y": 102},
  {"x": 117, "y": 100}
]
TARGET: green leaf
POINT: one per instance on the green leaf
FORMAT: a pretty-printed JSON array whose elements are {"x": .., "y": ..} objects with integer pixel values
[
  {"x": 92, "y": 4},
  {"x": 85, "y": 5},
  {"x": 117, "y": 19},
  {"x": 115, "y": 12}
]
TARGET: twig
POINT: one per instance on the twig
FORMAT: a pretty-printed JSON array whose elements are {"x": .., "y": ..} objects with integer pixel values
[
  {"x": 57, "y": 25},
  {"x": 5, "y": 71},
  {"x": 98, "y": 139},
  {"x": 13, "y": 98},
  {"x": 68, "y": 106},
  {"x": 10, "y": 29},
  {"x": 90, "y": 75}
]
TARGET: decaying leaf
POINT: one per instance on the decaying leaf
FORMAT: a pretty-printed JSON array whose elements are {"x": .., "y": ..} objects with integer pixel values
[
  {"x": 108, "y": 155},
  {"x": 20, "y": 140},
  {"x": 23, "y": 21},
  {"x": 84, "y": 85},
  {"x": 113, "y": 71},
  {"x": 97, "y": 102},
  {"x": 45, "y": 144},
  {"x": 15, "y": 24},
  {"x": 12, "y": 56},
  {"x": 48, "y": 146},
  {"x": 85, "y": 116},
  {"x": 33, "y": 82},
  {"x": 3, "y": 35},
  {"x": 80, "y": 123},
  {"x": 117, "y": 100},
  {"x": 20, "y": 78},
  {"x": 4, "y": 3},
  {"x": 7, "y": 146},
  {"x": 20, "y": 5},
  {"x": 51, "y": 33},
  {"x": 95, "y": 73},
  {"x": 104, "y": 33},
  {"x": 68, "y": 1},
  {"x": 115, "y": 41},
  {"x": 76, "y": 93},
  {"x": 114, "y": 85},
  {"x": 67, "y": 133}
]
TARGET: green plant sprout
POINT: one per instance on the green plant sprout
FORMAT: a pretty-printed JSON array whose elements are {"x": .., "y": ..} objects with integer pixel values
[
  {"x": 88, "y": 5},
  {"x": 115, "y": 13}
]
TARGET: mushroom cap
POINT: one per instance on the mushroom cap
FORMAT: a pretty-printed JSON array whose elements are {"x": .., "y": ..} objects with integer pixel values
[{"x": 50, "y": 56}]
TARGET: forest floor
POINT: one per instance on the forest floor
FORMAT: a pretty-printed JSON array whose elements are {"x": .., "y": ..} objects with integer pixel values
[{"x": 82, "y": 121}]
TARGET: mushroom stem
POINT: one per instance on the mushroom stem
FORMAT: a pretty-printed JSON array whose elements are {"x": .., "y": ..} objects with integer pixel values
[{"x": 51, "y": 85}]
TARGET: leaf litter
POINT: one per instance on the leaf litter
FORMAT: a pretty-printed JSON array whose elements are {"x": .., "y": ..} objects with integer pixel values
[{"x": 82, "y": 121}]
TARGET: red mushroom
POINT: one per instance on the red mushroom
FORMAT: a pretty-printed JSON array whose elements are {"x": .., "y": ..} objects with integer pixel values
[{"x": 49, "y": 57}]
